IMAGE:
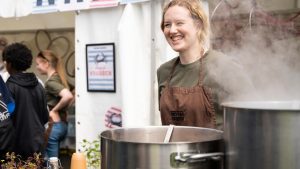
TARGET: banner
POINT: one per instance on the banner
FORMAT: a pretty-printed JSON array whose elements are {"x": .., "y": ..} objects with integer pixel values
[
  {"x": 103, "y": 3},
  {"x": 44, "y": 6},
  {"x": 69, "y": 5},
  {"x": 16, "y": 8},
  {"x": 131, "y": 1}
]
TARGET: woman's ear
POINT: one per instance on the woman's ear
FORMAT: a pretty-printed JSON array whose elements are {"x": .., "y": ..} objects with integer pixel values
[{"x": 199, "y": 24}]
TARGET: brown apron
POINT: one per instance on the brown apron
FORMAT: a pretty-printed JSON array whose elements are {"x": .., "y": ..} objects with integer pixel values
[{"x": 187, "y": 106}]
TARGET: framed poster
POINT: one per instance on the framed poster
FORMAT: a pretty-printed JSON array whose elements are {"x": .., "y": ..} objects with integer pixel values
[{"x": 100, "y": 63}]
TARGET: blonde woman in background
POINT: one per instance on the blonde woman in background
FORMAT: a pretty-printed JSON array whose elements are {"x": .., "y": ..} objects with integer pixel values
[{"x": 58, "y": 98}]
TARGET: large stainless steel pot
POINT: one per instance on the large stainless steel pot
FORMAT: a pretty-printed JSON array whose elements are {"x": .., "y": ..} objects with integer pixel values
[
  {"x": 262, "y": 135},
  {"x": 144, "y": 148}
]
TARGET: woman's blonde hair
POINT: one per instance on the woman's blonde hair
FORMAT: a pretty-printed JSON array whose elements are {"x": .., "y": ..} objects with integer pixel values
[
  {"x": 198, "y": 14},
  {"x": 55, "y": 62}
]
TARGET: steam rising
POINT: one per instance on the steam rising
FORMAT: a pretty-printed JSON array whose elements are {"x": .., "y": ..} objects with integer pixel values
[
  {"x": 269, "y": 53},
  {"x": 272, "y": 64}
]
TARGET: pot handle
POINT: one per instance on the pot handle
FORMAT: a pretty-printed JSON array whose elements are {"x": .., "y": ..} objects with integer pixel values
[{"x": 188, "y": 157}]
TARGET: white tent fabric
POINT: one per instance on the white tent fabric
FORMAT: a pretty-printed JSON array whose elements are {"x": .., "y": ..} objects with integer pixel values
[
  {"x": 15, "y": 8},
  {"x": 7, "y": 8},
  {"x": 23, "y": 7},
  {"x": 135, "y": 56}
]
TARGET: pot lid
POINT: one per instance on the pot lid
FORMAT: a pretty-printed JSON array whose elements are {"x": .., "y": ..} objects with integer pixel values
[
  {"x": 264, "y": 105},
  {"x": 156, "y": 135}
]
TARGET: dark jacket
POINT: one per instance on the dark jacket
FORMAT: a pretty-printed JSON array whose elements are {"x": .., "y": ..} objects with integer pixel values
[{"x": 30, "y": 115}]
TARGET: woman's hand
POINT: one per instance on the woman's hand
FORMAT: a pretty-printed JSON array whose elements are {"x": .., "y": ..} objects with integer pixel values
[{"x": 55, "y": 116}]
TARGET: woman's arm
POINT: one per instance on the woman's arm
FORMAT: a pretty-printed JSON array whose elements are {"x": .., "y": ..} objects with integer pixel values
[{"x": 66, "y": 98}]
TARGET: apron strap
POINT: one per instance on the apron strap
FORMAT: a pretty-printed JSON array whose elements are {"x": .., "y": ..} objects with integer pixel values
[
  {"x": 201, "y": 73},
  {"x": 172, "y": 71}
]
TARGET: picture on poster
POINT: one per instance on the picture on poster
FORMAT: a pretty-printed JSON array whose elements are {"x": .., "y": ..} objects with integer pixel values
[{"x": 100, "y": 62}]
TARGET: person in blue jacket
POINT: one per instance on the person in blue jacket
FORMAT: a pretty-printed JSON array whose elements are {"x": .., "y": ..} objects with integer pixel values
[
  {"x": 7, "y": 132},
  {"x": 6, "y": 96}
]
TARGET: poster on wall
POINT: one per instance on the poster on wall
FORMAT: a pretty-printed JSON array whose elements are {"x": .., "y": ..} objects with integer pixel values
[
  {"x": 100, "y": 63},
  {"x": 103, "y": 3},
  {"x": 44, "y": 6}
]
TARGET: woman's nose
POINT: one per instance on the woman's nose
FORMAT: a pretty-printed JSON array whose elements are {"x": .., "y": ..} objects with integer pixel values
[{"x": 173, "y": 28}]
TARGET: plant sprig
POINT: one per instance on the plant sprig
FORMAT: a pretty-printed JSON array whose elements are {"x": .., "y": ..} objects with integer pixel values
[
  {"x": 13, "y": 161},
  {"x": 92, "y": 151}
]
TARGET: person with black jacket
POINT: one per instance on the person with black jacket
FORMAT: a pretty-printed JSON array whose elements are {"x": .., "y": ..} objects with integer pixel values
[{"x": 31, "y": 112}]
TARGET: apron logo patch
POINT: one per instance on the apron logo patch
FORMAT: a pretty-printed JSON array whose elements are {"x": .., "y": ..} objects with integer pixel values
[{"x": 177, "y": 116}]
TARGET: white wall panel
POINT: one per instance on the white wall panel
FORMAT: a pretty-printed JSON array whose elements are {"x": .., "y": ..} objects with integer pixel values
[
  {"x": 94, "y": 26},
  {"x": 135, "y": 54},
  {"x": 57, "y": 20}
]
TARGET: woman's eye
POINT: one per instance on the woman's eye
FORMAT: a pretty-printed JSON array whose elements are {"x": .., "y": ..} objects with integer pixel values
[
  {"x": 180, "y": 23},
  {"x": 167, "y": 25}
]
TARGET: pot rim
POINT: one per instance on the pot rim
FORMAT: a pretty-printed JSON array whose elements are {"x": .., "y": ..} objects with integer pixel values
[
  {"x": 292, "y": 105},
  {"x": 102, "y": 135}
]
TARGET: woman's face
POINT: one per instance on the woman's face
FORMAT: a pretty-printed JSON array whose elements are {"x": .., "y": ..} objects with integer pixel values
[
  {"x": 180, "y": 29},
  {"x": 41, "y": 65}
]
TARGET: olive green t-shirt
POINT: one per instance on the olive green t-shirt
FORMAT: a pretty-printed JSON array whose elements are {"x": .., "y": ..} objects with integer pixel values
[
  {"x": 53, "y": 87},
  {"x": 223, "y": 75}
]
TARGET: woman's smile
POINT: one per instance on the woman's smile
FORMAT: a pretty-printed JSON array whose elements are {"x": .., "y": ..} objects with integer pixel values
[{"x": 176, "y": 39}]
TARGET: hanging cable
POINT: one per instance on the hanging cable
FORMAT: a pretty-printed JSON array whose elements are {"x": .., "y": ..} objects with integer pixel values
[{"x": 214, "y": 11}]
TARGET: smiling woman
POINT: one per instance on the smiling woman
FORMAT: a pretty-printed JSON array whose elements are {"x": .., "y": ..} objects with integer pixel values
[{"x": 192, "y": 85}]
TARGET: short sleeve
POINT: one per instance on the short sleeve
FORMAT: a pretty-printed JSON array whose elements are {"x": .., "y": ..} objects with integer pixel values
[{"x": 54, "y": 86}]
